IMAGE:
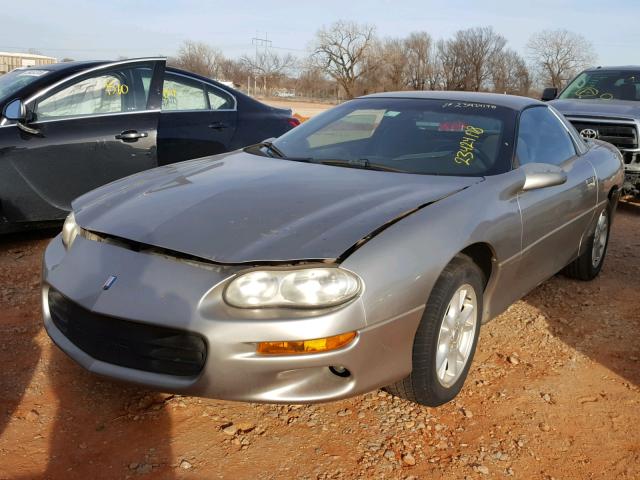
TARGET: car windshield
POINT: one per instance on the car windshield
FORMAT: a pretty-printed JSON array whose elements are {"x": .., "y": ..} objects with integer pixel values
[
  {"x": 605, "y": 85},
  {"x": 422, "y": 136},
  {"x": 13, "y": 81}
]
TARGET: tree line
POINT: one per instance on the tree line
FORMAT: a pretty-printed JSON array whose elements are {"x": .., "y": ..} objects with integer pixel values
[{"x": 347, "y": 59}]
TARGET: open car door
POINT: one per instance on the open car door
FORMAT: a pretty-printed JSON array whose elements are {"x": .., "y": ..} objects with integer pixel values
[{"x": 84, "y": 131}]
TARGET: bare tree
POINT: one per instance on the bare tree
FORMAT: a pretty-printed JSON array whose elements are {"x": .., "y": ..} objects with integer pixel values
[
  {"x": 467, "y": 58},
  {"x": 479, "y": 48},
  {"x": 199, "y": 58},
  {"x": 510, "y": 74},
  {"x": 558, "y": 55},
  {"x": 312, "y": 82},
  {"x": 341, "y": 51},
  {"x": 422, "y": 71},
  {"x": 234, "y": 71},
  {"x": 455, "y": 72},
  {"x": 268, "y": 65},
  {"x": 392, "y": 59}
]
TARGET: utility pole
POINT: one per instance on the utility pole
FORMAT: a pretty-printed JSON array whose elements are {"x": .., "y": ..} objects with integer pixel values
[{"x": 260, "y": 42}]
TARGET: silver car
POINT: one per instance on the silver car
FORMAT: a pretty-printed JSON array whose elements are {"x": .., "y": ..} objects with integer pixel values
[{"x": 363, "y": 249}]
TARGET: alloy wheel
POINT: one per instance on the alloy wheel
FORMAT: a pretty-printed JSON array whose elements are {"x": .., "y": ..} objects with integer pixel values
[
  {"x": 600, "y": 239},
  {"x": 456, "y": 335}
]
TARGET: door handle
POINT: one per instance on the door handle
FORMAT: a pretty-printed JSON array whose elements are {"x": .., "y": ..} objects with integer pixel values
[
  {"x": 591, "y": 181},
  {"x": 218, "y": 125},
  {"x": 131, "y": 135}
]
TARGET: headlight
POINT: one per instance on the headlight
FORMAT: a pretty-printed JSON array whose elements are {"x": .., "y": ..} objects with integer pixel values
[
  {"x": 70, "y": 230},
  {"x": 303, "y": 288}
]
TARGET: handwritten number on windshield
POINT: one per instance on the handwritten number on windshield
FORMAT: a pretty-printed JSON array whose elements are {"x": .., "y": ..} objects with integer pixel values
[{"x": 465, "y": 154}]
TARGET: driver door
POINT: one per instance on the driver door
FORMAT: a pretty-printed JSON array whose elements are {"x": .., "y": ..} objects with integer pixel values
[
  {"x": 88, "y": 130},
  {"x": 554, "y": 219}
]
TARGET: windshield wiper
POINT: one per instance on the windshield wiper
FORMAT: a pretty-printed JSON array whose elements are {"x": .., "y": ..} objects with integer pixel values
[
  {"x": 359, "y": 163},
  {"x": 280, "y": 154},
  {"x": 271, "y": 147}
]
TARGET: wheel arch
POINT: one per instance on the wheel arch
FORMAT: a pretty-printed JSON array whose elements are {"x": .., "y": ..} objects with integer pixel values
[
  {"x": 483, "y": 255},
  {"x": 614, "y": 195}
]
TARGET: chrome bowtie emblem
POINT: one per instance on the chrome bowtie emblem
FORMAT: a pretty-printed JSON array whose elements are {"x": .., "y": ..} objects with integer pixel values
[
  {"x": 588, "y": 133},
  {"x": 109, "y": 283}
]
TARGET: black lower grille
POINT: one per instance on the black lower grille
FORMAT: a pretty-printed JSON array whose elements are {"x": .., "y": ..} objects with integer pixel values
[
  {"x": 620, "y": 135},
  {"x": 128, "y": 344}
]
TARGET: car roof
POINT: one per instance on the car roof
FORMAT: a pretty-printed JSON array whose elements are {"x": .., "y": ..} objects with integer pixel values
[
  {"x": 62, "y": 66},
  {"x": 621, "y": 67},
  {"x": 77, "y": 65},
  {"x": 509, "y": 101}
]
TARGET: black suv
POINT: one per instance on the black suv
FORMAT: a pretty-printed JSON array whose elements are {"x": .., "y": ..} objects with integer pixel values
[{"x": 604, "y": 103}]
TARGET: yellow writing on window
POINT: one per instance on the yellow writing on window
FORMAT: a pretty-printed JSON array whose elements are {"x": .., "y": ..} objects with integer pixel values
[
  {"x": 464, "y": 155},
  {"x": 169, "y": 96},
  {"x": 587, "y": 92},
  {"x": 114, "y": 87}
]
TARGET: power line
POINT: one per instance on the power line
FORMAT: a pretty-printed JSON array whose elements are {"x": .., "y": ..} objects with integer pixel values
[{"x": 291, "y": 49}]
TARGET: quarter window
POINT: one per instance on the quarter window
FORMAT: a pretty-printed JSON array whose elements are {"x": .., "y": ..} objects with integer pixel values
[
  {"x": 542, "y": 138},
  {"x": 219, "y": 100},
  {"x": 115, "y": 91}
]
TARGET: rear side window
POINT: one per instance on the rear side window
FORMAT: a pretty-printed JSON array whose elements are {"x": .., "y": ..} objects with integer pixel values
[
  {"x": 183, "y": 93},
  {"x": 103, "y": 92},
  {"x": 542, "y": 138}
]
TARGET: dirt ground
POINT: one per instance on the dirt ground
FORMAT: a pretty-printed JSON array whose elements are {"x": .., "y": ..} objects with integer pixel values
[
  {"x": 304, "y": 109},
  {"x": 553, "y": 393}
]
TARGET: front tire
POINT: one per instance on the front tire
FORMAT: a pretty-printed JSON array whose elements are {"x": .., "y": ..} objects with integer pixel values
[
  {"x": 446, "y": 338},
  {"x": 588, "y": 265}
]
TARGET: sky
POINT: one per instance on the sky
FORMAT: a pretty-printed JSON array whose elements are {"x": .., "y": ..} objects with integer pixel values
[{"x": 92, "y": 29}]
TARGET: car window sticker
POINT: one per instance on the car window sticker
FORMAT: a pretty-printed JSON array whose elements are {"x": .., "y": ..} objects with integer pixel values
[
  {"x": 464, "y": 155},
  {"x": 468, "y": 105},
  {"x": 452, "y": 126}
]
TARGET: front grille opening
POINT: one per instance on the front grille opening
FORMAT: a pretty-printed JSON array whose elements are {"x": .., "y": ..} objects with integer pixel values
[
  {"x": 631, "y": 158},
  {"x": 620, "y": 135},
  {"x": 128, "y": 344}
]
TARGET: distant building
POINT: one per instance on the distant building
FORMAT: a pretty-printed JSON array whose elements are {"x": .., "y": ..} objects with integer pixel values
[{"x": 10, "y": 61}]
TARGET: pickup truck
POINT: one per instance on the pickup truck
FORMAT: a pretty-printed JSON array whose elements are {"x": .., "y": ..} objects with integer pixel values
[{"x": 604, "y": 103}]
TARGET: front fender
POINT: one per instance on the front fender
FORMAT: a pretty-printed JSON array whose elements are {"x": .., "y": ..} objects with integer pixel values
[{"x": 401, "y": 265}]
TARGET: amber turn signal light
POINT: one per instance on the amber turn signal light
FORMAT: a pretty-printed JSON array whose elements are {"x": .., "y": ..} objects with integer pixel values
[{"x": 306, "y": 346}]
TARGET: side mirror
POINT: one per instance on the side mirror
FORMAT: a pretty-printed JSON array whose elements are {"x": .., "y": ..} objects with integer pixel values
[
  {"x": 15, "y": 110},
  {"x": 549, "y": 94},
  {"x": 542, "y": 175}
]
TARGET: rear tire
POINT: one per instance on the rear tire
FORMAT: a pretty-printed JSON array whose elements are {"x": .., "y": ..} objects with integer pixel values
[
  {"x": 588, "y": 265},
  {"x": 446, "y": 338}
]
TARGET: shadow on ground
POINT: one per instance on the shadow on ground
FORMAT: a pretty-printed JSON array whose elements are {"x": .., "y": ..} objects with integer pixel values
[{"x": 601, "y": 318}]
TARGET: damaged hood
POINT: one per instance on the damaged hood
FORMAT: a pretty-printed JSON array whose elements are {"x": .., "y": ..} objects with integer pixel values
[{"x": 239, "y": 207}]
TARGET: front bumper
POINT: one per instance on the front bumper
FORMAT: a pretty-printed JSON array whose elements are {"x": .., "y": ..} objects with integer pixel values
[{"x": 153, "y": 289}]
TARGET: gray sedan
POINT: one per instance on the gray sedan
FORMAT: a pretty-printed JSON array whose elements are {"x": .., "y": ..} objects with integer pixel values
[{"x": 363, "y": 249}]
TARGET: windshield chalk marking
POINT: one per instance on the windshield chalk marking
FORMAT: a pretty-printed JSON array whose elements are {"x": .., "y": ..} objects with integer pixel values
[{"x": 465, "y": 154}]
